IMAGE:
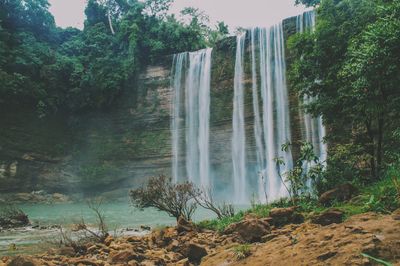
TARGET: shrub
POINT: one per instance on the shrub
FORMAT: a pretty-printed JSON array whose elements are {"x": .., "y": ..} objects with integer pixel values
[
  {"x": 178, "y": 200},
  {"x": 206, "y": 200}
]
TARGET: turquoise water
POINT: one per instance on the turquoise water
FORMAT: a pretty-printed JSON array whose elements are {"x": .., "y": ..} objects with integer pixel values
[{"x": 118, "y": 216}]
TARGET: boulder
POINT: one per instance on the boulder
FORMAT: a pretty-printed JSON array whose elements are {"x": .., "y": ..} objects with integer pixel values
[
  {"x": 184, "y": 226},
  {"x": 250, "y": 230},
  {"x": 328, "y": 217},
  {"x": 195, "y": 253},
  {"x": 340, "y": 193},
  {"x": 283, "y": 216}
]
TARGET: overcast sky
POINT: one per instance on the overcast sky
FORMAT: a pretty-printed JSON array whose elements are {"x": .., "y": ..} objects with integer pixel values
[{"x": 243, "y": 13}]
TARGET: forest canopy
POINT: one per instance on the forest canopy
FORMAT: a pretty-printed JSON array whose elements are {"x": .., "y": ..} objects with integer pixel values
[
  {"x": 52, "y": 69},
  {"x": 350, "y": 64}
]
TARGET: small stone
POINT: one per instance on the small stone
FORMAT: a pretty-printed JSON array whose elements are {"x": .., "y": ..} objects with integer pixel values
[{"x": 328, "y": 217}]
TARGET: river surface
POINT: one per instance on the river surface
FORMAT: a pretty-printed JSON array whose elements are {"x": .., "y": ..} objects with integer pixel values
[{"x": 120, "y": 217}]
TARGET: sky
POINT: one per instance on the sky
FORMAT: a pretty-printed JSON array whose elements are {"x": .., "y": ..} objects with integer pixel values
[{"x": 235, "y": 13}]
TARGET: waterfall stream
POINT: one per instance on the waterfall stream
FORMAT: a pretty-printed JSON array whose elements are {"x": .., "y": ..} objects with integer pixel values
[
  {"x": 259, "y": 169},
  {"x": 314, "y": 129},
  {"x": 191, "y": 84},
  {"x": 238, "y": 126}
]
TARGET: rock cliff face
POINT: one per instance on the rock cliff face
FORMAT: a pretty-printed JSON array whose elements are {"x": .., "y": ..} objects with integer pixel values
[{"x": 119, "y": 147}]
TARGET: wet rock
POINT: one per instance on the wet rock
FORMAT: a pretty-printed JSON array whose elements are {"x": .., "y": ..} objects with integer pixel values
[
  {"x": 23, "y": 261},
  {"x": 328, "y": 217},
  {"x": 195, "y": 252},
  {"x": 184, "y": 226},
  {"x": 340, "y": 193},
  {"x": 251, "y": 230},
  {"x": 283, "y": 216}
]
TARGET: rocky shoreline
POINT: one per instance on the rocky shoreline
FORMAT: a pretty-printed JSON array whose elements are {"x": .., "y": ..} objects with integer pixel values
[{"x": 283, "y": 238}]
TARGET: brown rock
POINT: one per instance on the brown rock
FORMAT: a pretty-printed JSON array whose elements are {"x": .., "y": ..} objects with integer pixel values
[
  {"x": 184, "y": 226},
  {"x": 328, "y": 217},
  {"x": 250, "y": 230},
  {"x": 195, "y": 252},
  {"x": 340, "y": 193},
  {"x": 23, "y": 261},
  {"x": 283, "y": 216},
  {"x": 123, "y": 256}
]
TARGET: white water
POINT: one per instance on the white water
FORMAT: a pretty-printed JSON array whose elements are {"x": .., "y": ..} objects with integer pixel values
[
  {"x": 191, "y": 116},
  {"x": 314, "y": 128},
  {"x": 238, "y": 126},
  {"x": 176, "y": 84},
  {"x": 196, "y": 92},
  {"x": 276, "y": 124},
  {"x": 258, "y": 130}
]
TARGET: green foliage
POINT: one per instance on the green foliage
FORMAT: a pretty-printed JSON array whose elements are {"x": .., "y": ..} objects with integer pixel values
[
  {"x": 307, "y": 171},
  {"x": 57, "y": 70},
  {"x": 351, "y": 66},
  {"x": 242, "y": 251}
]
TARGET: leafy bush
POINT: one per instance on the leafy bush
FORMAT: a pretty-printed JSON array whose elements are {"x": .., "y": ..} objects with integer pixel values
[{"x": 178, "y": 200}]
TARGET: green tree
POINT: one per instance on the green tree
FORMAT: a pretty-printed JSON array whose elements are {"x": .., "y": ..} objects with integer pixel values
[{"x": 349, "y": 64}]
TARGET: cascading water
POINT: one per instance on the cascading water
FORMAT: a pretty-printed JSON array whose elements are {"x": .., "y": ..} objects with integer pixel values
[
  {"x": 276, "y": 125},
  {"x": 238, "y": 126},
  {"x": 313, "y": 126},
  {"x": 197, "y": 115},
  {"x": 177, "y": 70},
  {"x": 258, "y": 130},
  {"x": 190, "y": 126}
]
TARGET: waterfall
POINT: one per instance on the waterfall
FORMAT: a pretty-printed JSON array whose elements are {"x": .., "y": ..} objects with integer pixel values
[
  {"x": 313, "y": 126},
  {"x": 197, "y": 115},
  {"x": 238, "y": 126},
  {"x": 276, "y": 124},
  {"x": 258, "y": 131},
  {"x": 272, "y": 122},
  {"x": 190, "y": 124},
  {"x": 176, "y": 84}
]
